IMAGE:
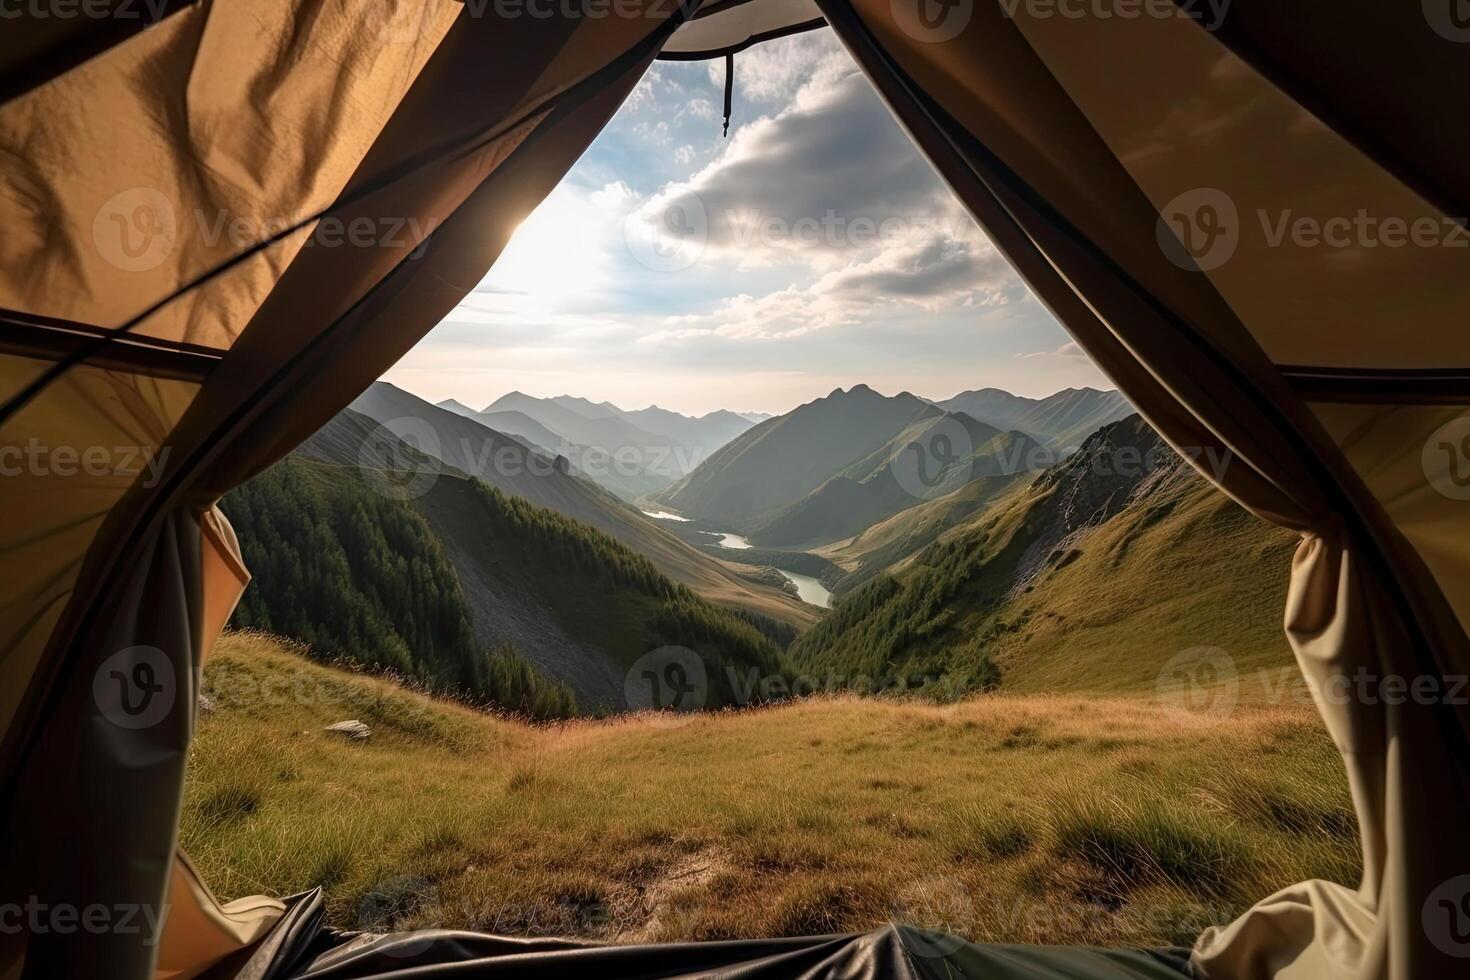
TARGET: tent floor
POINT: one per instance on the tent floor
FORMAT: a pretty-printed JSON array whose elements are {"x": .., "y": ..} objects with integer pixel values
[{"x": 300, "y": 948}]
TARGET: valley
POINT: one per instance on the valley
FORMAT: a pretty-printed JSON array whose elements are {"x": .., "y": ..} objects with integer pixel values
[
  {"x": 927, "y": 658},
  {"x": 859, "y": 533}
]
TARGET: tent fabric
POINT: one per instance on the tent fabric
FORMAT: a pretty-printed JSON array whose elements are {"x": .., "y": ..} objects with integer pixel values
[
  {"x": 203, "y": 932},
  {"x": 721, "y": 28},
  {"x": 1068, "y": 162},
  {"x": 167, "y": 289},
  {"x": 299, "y": 948}
]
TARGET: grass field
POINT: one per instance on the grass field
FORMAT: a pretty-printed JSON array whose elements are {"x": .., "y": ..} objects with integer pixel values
[{"x": 1031, "y": 818}]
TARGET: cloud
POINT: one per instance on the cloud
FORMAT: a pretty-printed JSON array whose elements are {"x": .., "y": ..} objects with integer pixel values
[
  {"x": 771, "y": 73},
  {"x": 931, "y": 277},
  {"x": 1069, "y": 351},
  {"x": 829, "y": 194},
  {"x": 831, "y": 173}
]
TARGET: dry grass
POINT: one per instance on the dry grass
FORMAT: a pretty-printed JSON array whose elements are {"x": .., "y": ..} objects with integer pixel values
[{"x": 1066, "y": 819}]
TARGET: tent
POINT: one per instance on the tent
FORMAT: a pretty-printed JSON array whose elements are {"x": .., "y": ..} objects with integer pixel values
[{"x": 1143, "y": 164}]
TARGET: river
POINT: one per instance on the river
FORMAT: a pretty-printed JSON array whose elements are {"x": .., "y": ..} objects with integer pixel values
[{"x": 808, "y": 589}]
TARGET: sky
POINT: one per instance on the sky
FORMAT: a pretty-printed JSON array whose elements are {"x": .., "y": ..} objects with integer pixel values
[{"x": 814, "y": 248}]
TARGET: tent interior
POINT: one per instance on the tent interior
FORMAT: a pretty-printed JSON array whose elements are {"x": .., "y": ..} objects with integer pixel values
[{"x": 1107, "y": 152}]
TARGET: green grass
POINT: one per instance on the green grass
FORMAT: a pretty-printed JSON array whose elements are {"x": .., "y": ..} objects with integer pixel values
[
  {"x": 1029, "y": 818},
  {"x": 1191, "y": 570}
]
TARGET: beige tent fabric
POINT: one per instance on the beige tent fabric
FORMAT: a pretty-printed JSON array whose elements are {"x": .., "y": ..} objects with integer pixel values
[
  {"x": 1190, "y": 121},
  {"x": 200, "y": 931},
  {"x": 1053, "y": 147},
  {"x": 224, "y": 123},
  {"x": 111, "y": 776},
  {"x": 731, "y": 26},
  {"x": 68, "y": 459},
  {"x": 1411, "y": 458}
]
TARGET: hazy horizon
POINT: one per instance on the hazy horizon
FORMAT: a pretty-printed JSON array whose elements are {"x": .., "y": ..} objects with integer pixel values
[
  {"x": 813, "y": 246},
  {"x": 478, "y": 404}
]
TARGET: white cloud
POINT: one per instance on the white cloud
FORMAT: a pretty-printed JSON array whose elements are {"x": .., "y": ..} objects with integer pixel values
[
  {"x": 1070, "y": 351},
  {"x": 772, "y": 72}
]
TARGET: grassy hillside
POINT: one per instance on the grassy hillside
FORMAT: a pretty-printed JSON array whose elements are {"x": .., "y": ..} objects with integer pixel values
[
  {"x": 1018, "y": 818},
  {"x": 1087, "y": 579},
  {"x": 357, "y": 574},
  {"x": 884, "y": 483},
  {"x": 582, "y": 605},
  {"x": 890, "y": 541}
]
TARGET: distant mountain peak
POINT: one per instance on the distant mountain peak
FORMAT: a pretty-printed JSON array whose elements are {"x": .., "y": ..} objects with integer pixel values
[{"x": 457, "y": 407}]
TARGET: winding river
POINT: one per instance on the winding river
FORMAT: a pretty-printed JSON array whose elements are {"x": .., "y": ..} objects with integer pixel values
[{"x": 808, "y": 589}]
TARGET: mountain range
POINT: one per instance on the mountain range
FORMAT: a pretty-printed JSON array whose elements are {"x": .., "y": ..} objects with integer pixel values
[
  {"x": 470, "y": 448},
  {"x": 631, "y": 453},
  {"x": 832, "y": 467},
  {"x": 1059, "y": 421},
  {"x": 955, "y": 548}
]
